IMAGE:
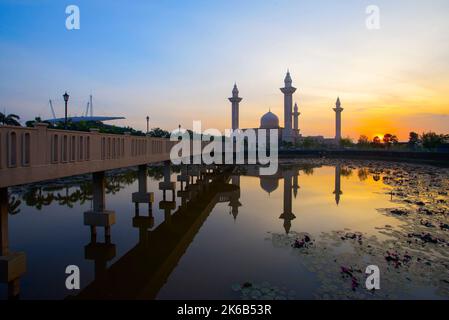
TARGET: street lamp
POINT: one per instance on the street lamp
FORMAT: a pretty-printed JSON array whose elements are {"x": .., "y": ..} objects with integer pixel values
[
  {"x": 148, "y": 124},
  {"x": 66, "y": 99}
]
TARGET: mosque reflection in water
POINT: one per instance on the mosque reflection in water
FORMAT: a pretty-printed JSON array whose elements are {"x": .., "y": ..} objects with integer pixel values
[{"x": 187, "y": 232}]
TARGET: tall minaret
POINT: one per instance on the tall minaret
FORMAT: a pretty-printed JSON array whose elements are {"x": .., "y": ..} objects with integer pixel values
[
  {"x": 288, "y": 92},
  {"x": 235, "y": 100},
  {"x": 296, "y": 120},
  {"x": 338, "y": 110}
]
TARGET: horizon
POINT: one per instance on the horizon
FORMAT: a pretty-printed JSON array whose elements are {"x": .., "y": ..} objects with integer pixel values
[{"x": 178, "y": 63}]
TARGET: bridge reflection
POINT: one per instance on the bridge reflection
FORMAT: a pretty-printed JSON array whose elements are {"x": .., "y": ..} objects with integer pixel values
[{"x": 143, "y": 270}]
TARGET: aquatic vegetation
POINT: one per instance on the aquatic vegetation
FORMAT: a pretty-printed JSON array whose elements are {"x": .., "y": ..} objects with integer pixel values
[
  {"x": 263, "y": 291},
  {"x": 414, "y": 254}
]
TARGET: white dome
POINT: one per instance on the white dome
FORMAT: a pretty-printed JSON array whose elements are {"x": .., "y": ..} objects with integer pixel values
[{"x": 269, "y": 121}]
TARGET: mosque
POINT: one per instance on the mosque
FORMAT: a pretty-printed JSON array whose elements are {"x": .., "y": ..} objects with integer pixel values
[{"x": 290, "y": 133}]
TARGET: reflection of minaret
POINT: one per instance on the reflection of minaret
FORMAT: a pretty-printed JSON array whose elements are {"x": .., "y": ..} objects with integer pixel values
[
  {"x": 337, "y": 191},
  {"x": 235, "y": 100},
  {"x": 338, "y": 110},
  {"x": 235, "y": 203},
  {"x": 287, "y": 215},
  {"x": 288, "y": 91},
  {"x": 295, "y": 184}
]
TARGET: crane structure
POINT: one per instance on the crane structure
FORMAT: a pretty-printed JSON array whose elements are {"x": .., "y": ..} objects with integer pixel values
[{"x": 88, "y": 114}]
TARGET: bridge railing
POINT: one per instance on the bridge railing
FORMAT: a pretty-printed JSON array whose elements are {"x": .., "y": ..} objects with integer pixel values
[{"x": 38, "y": 153}]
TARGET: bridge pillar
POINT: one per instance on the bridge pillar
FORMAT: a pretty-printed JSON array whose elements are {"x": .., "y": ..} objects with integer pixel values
[
  {"x": 100, "y": 253},
  {"x": 98, "y": 191},
  {"x": 143, "y": 196},
  {"x": 12, "y": 264},
  {"x": 183, "y": 178},
  {"x": 142, "y": 177},
  {"x": 185, "y": 196},
  {"x": 99, "y": 216},
  {"x": 143, "y": 223},
  {"x": 4, "y": 222},
  {"x": 168, "y": 207},
  {"x": 167, "y": 184}
]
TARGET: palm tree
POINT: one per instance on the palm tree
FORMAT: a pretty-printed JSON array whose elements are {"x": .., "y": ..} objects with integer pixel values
[
  {"x": 10, "y": 119},
  {"x": 14, "y": 205}
]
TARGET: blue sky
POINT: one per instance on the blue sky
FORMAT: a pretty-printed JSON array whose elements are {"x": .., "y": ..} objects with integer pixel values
[{"x": 176, "y": 61}]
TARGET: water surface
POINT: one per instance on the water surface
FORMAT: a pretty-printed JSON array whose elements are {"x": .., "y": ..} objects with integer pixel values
[{"x": 309, "y": 232}]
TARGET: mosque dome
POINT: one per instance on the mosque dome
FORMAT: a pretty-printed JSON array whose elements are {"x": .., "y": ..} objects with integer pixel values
[
  {"x": 269, "y": 184},
  {"x": 269, "y": 121}
]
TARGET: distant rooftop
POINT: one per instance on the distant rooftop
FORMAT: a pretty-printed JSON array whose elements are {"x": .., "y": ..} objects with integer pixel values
[{"x": 79, "y": 119}]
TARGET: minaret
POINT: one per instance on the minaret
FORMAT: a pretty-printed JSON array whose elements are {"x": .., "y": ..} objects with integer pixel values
[
  {"x": 338, "y": 110},
  {"x": 235, "y": 100},
  {"x": 288, "y": 92},
  {"x": 287, "y": 215},
  {"x": 296, "y": 120},
  {"x": 337, "y": 191}
]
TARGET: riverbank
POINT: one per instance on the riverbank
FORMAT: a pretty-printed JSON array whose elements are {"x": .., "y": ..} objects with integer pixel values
[{"x": 434, "y": 158}]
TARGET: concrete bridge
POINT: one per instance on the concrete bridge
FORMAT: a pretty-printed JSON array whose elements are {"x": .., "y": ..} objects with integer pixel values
[{"x": 30, "y": 155}]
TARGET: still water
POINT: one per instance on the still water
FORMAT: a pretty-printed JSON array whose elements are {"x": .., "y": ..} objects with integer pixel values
[{"x": 309, "y": 232}]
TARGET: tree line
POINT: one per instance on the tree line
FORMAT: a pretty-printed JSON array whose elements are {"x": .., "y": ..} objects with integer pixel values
[{"x": 427, "y": 140}]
